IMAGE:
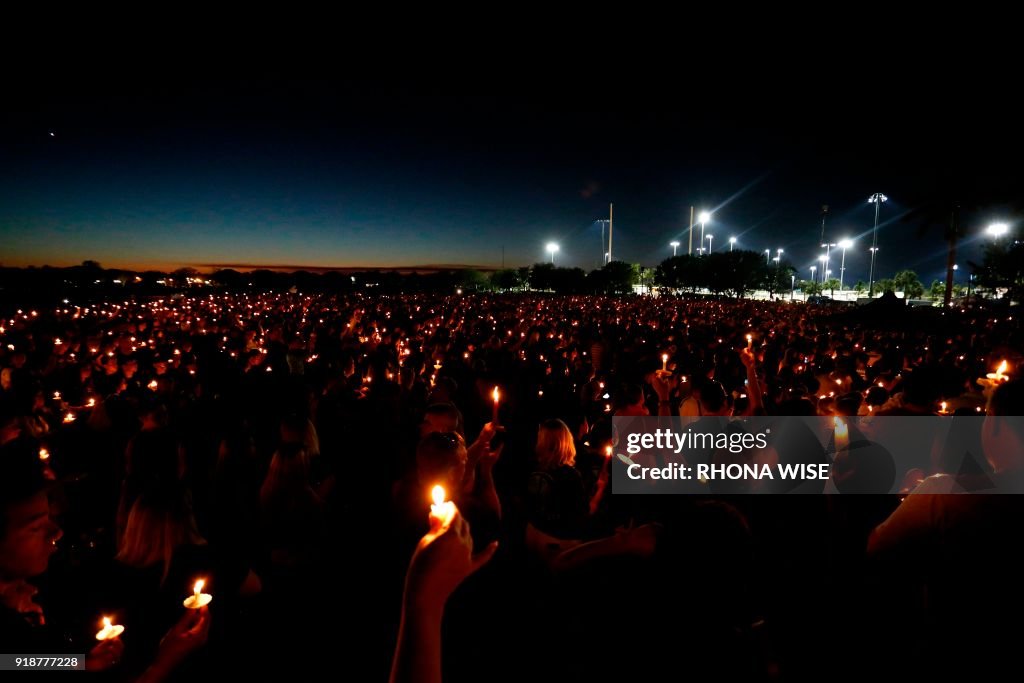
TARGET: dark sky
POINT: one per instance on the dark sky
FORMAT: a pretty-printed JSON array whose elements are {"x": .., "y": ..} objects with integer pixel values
[{"x": 164, "y": 167}]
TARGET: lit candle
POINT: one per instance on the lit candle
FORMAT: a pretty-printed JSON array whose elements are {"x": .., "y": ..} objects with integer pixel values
[
  {"x": 1000, "y": 374},
  {"x": 441, "y": 511},
  {"x": 664, "y": 362},
  {"x": 109, "y": 630},
  {"x": 56, "y": 396},
  {"x": 69, "y": 417},
  {"x": 494, "y": 414},
  {"x": 153, "y": 385},
  {"x": 750, "y": 341},
  {"x": 942, "y": 409},
  {"x": 44, "y": 454},
  {"x": 608, "y": 451},
  {"x": 842, "y": 435},
  {"x": 198, "y": 598},
  {"x": 91, "y": 403}
]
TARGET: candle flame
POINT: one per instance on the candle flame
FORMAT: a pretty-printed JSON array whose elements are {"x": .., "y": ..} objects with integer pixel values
[
  {"x": 495, "y": 394},
  {"x": 106, "y": 623},
  {"x": 438, "y": 494},
  {"x": 1002, "y": 368},
  {"x": 44, "y": 454},
  {"x": 608, "y": 451},
  {"x": 943, "y": 406},
  {"x": 664, "y": 357},
  {"x": 199, "y": 586}
]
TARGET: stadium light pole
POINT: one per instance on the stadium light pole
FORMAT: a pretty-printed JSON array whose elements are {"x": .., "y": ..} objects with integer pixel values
[
  {"x": 704, "y": 217},
  {"x": 674, "y": 245},
  {"x": 732, "y": 243},
  {"x": 877, "y": 199},
  {"x": 844, "y": 245},
  {"x": 552, "y": 248}
]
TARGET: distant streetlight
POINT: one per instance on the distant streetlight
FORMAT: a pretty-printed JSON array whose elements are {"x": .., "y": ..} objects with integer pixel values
[
  {"x": 824, "y": 265},
  {"x": 552, "y": 248},
  {"x": 813, "y": 268},
  {"x": 997, "y": 230},
  {"x": 732, "y": 243},
  {"x": 877, "y": 199},
  {"x": 844, "y": 245},
  {"x": 792, "y": 286},
  {"x": 767, "y": 255},
  {"x": 710, "y": 237},
  {"x": 674, "y": 245},
  {"x": 704, "y": 217}
]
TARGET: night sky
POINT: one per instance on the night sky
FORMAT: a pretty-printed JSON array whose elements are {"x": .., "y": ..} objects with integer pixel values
[{"x": 166, "y": 168}]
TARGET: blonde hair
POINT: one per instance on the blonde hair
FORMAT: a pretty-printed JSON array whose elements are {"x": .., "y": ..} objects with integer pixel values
[
  {"x": 157, "y": 526},
  {"x": 555, "y": 446},
  {"x": 288, "y": 476}
]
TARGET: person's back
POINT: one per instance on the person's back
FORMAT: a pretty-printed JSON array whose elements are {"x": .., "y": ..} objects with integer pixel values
[
  {"x": 961, "y": 550},
  {"x": 557, "y": 502}
]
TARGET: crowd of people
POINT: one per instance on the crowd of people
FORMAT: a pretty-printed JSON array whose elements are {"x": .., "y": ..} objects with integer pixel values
[{"x": 283, "y": 448}]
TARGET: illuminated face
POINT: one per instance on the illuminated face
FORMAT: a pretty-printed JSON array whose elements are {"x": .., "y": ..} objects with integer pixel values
[{"x": 29, "y": 539}]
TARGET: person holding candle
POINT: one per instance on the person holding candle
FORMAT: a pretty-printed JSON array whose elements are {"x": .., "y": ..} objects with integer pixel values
[
  {"x": 443, "y": 559},
  {"x": 442, "y": 459},
  {"x": 160, "y": 554},
  {"x": 28, "y": 538}
]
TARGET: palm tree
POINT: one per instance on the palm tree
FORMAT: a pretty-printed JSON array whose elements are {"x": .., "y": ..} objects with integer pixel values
[{"x": 957, "y": 188}]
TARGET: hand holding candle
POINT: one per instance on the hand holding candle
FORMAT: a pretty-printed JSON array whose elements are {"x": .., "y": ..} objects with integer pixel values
[
  {"x": 1000, "y": 374},
  {"x": 441, "y": 511},
  {"x": 198, "y": 598},
  {"x": 842, "y": 435},
  {"x": 109, "y": 630},
  {"x": 994, "y": 379}
]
